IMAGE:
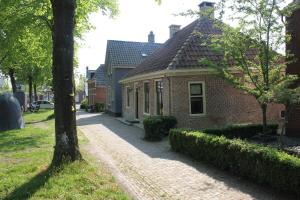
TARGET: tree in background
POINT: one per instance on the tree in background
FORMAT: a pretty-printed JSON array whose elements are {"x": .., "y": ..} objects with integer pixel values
[
  {"x": 252, "y": 49},
  {"x": 80, "y": 83}
]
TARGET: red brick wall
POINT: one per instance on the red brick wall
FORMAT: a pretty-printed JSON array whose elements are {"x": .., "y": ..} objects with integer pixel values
[
  {"x": 225, "y": 105},
  {"x": 96, "y": 94},
  {"x": 100, "y": 96},
  {"x": 293, "y": 28},
  {"x": 91, "y": 92}
]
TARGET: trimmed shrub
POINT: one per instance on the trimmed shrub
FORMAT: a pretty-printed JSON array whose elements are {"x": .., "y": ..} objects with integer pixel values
[
  {"x": 84, "y": 104},
  {"x": 99, "y": 107},
  {"x": 242, "y": 131},
  {"x": 158, "y": 126},
  {"x": 264, "y": 165}
]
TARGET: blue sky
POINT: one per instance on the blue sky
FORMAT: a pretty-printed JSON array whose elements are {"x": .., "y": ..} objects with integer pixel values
[{"x": 134, "y": 22}]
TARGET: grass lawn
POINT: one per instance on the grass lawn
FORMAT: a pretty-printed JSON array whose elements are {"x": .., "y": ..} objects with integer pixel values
[{"x": 25, "y": 156}]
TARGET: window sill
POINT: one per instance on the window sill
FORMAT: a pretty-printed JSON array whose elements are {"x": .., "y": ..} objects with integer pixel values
[{"x": 198, "y": 115}]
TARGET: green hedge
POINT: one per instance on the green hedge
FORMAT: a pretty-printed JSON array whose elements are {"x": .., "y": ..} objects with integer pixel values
[
  {"x": 242, "y": 131},
  {"x": 264, "y": 165},
  {"x": 84, "y": 104},
  {"x": 158, "y": 126},
  {"x": 99, "y": 107}
]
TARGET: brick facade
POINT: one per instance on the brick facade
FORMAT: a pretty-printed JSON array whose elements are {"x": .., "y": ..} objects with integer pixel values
[
  {"x": 293, "y": 127},
  {"x": 96, "y": 94},
  {"x": 224, "y": 104}
]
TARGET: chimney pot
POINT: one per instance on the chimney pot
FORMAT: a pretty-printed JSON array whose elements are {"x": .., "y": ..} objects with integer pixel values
[
  {"x": 151, "y": 37},
  {"x": 173, "y": 29},
  {"x": 207, "y": 9}
]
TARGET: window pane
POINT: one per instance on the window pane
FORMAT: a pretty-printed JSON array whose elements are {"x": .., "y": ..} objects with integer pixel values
[
  {"x": 196, "y": 89},
  {"x": 146, "y": 97},
  {"x": 159, "y": 98},
  {"x": 196, "y": 105}
]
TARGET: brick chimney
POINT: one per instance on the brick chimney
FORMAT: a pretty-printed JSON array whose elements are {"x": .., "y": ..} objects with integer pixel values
[
  {"x": 87, "y": 72},
  {"x": 293, "y": 47},
  {"x": 207, "y": 9},
  {"x": 151, "y": 37},
  {"x": 173, "y": 29}
]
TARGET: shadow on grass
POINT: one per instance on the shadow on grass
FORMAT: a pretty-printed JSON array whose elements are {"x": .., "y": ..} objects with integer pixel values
[
  {"x": 50, "y": 117},
  {"x": 28, "y": 189},
  {"x": 17, "y": 144}
]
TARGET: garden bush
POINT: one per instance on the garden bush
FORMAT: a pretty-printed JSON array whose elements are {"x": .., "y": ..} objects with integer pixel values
[
  {"x": 158, "y": 126},
  {"x": 264, "y": 165},
  {"x": 99, "y": 107},
  {"x": 242, "y": 131},
  {"x": 84, "y": 104}
]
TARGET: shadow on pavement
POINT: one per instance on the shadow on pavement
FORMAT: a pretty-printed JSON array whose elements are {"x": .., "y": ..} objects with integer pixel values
[{"x": 134, "y": 136}]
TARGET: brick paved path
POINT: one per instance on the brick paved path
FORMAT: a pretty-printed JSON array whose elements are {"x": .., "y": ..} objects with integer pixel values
[{"x": 150, "y": 170}]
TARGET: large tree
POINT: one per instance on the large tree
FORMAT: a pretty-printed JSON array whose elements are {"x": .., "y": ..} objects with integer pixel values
[
  {"x": 58, "y": 17},
  {"x": 66, "y": 144},
  {"x": 252, "y": 48}
]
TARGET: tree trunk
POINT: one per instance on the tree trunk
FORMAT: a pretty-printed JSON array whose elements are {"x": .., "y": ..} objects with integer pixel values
[
  {"x": 11, "y": 74},
  {"x": 30, "y": 89},
  {"x": 264, "y": 113},
  {"x": 35, "y": 92},
  {"x": 66, "y": 142}
]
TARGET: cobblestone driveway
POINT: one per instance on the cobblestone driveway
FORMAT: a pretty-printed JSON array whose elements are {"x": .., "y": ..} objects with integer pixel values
[{"x": 152, "y": 171}]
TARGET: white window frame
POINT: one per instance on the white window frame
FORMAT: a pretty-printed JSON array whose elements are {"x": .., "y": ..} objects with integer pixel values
[
  {"x": 144, "y": 102},
  {"x": 155, "y": 97},
  {"x": 203, "y": 96},
  {"x": 127, "y": 95}
]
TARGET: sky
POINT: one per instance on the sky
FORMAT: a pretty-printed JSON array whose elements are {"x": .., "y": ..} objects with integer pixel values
[{"x": 135, "y": 20}]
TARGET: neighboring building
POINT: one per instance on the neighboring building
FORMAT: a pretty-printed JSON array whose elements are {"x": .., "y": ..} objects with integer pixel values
[
  {"x": 79, "y": 96},
  {"x": 172, "y": 82},
  {"x": 97, "y": 86},
  {"x": 293, "y": 28},
  {"x": 121, "y": 57},
  {"x": 88, "y": 76}
]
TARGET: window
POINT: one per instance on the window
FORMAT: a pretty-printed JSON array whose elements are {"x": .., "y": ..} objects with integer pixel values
[
  {"x": 159, "y": 97},
  {"x": 127, "y": 96},
  {"x": 146, "y": 97},
  {"x": 196, "y": 98},
  {"x": 282, "y": 114}
]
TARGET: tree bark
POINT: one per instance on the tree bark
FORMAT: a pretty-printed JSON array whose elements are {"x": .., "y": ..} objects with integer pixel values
[
  {"x": 11, "y": 74},
  {"x": 264, "y": 114},
  {"x": 35, "y": 92},
  {"x": 30, "y": 89},
  {"x": 66, "y": 142}
]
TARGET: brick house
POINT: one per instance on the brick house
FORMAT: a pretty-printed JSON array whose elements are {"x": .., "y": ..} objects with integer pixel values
[
  {"x": 121, "y": 57},
  {"x": 97, "y": 86},
  {"x": 293, "y": 28},
  {"x": 172, "y": 82}
]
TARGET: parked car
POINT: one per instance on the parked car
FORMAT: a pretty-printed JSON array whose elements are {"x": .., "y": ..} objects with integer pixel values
[{"x": 44, "y": 104}]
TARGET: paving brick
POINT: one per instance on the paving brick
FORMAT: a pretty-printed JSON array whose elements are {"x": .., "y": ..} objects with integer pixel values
[{"x": 150, "y": 170}]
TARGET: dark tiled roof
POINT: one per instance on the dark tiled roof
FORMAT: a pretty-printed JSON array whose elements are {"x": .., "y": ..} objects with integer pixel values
[
  {"x": 90, "y": 74},
  {"x": 123, "y": 53},
  {"x": 183, "y": 50},
  {"x": 100, "y": 76}
]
